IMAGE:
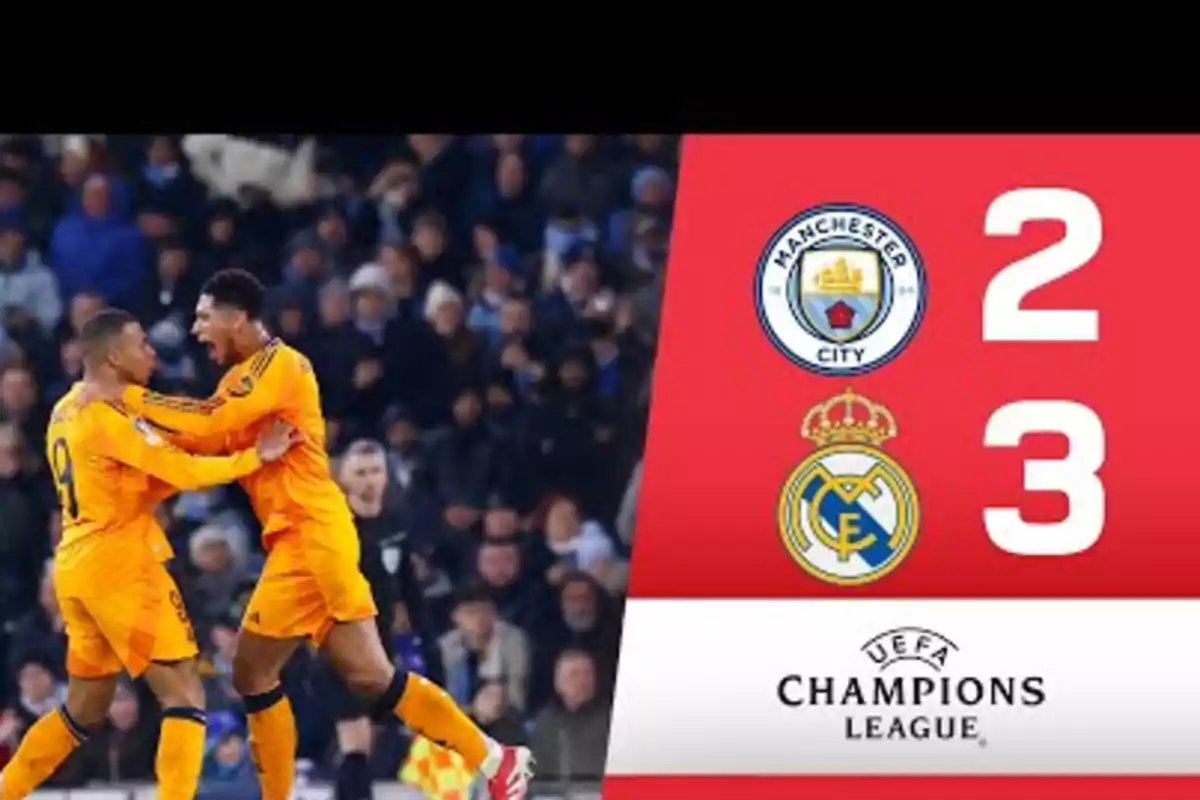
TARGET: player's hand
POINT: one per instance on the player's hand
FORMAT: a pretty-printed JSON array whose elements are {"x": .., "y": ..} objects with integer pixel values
[
  {"x": 386, "y": 179},
  {"x": 10, "y": 727},
  {"x": 366, "y": 373},
  {"x": 488, "y": 705},
  {"x": 276, "y": 440}
]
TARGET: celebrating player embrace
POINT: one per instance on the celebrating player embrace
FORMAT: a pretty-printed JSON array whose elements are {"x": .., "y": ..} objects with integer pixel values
[
  {"x": 121, "y": 608},
  {"x": 311, "y": 586}
]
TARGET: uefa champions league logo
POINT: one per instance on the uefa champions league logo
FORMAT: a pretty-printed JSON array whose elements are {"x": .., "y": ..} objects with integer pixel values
[{"x": 914, "y": 694}]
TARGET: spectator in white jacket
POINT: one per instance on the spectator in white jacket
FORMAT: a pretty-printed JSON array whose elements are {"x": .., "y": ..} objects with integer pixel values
[{"x": 226, "y": 164}]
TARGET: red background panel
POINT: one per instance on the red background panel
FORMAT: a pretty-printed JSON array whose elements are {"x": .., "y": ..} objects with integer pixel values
[
  {"x": 727, "y": 406},
  {"x": 1026, "y": 788}
]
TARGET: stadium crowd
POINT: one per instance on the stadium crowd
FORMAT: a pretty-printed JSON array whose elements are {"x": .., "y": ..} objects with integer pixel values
[{"x": 481, "y": 313}]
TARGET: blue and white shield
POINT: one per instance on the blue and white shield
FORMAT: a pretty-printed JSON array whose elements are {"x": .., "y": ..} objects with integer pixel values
[{"x": 840, "y": 292}]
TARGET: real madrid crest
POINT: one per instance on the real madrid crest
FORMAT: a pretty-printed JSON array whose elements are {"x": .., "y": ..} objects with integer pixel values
[
  {"x": 840, "y": 289},
  {"x": 848, "y": 514}
]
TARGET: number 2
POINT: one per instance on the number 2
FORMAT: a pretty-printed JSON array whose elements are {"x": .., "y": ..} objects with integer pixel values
[
  {"x": 1074, "y": 476},
  {"x": 1003, "y": 318},
  {"x": 64, "y": 477}
]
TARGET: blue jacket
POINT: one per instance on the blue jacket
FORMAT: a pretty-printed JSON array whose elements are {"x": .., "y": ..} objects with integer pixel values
[{"x": 102, "y": 255}]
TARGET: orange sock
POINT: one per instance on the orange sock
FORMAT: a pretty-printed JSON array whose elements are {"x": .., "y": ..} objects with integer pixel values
[
  {"x": 426, "y": 708},
  {"x": 180, "y": 753},
  {"x": 47, "y": 744},
  {"x": 272, "y": 742}
]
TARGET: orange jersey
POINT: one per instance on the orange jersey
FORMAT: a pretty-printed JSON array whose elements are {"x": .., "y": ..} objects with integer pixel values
[
  {"x": 277, "y": 382},
  {"x": 111, "y": 469}
]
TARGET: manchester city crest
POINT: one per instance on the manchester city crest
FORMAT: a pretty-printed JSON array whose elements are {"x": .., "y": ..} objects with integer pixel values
[
  {"x": 840, "y": 289},
  {"x": 849, "y": 513}
]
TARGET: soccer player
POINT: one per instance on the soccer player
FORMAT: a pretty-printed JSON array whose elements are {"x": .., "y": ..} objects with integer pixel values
[
  {"x": 311, "y": 586},
  {"x": 121, "y": 608}
]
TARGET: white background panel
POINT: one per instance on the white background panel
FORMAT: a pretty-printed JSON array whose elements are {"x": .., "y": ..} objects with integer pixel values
[{"x": 697, "y": 691}]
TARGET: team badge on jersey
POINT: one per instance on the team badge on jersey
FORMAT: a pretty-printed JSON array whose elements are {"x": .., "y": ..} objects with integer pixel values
[
  {"x": 242, "y": 388},
  {"x": 840, "y": 289},
  {"x": 148, "y": 433},
  {"x": 848, "y": 514}
]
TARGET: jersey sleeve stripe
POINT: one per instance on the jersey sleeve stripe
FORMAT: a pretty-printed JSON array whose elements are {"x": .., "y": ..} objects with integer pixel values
[
  {"x": 185, "y": 404},
  {"x": 207, "y": 406},
  {"x": 263, "y": 360},
  {"x": 168, "y": 401},
  {"x": 256, "y": 361},
  {"x": 163, "y": 428}
]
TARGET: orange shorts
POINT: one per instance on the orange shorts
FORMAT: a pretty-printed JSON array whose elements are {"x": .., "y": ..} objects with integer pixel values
[
  {"x": 311, "y": 580},
  {"x": 121, "y": 607}
]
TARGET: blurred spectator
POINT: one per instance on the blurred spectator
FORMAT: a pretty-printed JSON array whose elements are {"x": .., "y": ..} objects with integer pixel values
[
  {"x": 403, "y": 440},
  {"x": 170, "y": 290},
  {"x": 481, "y": 311},
  {"x": 26, "y": 191},
  {"x": 577, "y": 544},
  {"x": 227, "y": 764},
  {"x": 581, "y": 177},
  {"x": 517, "y": 591},
  {"x": 20, "y": 536},
  {"x": 639, "y": 230},
  {"x": 219, "y": 554},
  {"x": 482, "y": 647},
  {"x": 20, "y": 403},
  {"x": 95, "y": 249},
  {"x": 571, "y": 733},
  {"x": 216, "y": 664},
  {"x": 39, "y": 633},
  {"x": 464, "y": 461},
  {"x": 589, "y": 620},
  {"x": 491, "y": 711},
  {"x": 80, "y": 158},
  {"x": 39, "y": 689},
  {"x": 27, "y": 287},
  {"x": 166, "y": 183},
  {"x": 122, "y": 751},
  {"x": 82, "y": 306}
]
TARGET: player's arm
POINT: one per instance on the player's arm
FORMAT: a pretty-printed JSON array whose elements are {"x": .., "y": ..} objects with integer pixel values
[
  {"x": 199, "y": 445},
  {"x": 213, "y": 445},
  {"x": 117, "y": 437},
  {"x": 260, "y": 393}
]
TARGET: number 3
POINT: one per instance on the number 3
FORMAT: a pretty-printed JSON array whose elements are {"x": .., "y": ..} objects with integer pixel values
[
  {"x": 1075, "y": 476},
  {"x": 1003, "y": 318}
]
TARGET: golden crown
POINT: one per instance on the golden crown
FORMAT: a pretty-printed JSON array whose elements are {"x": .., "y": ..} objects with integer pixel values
[
  {"x": 848, "y": 418},
  {"x": 841, "y": 278}
]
